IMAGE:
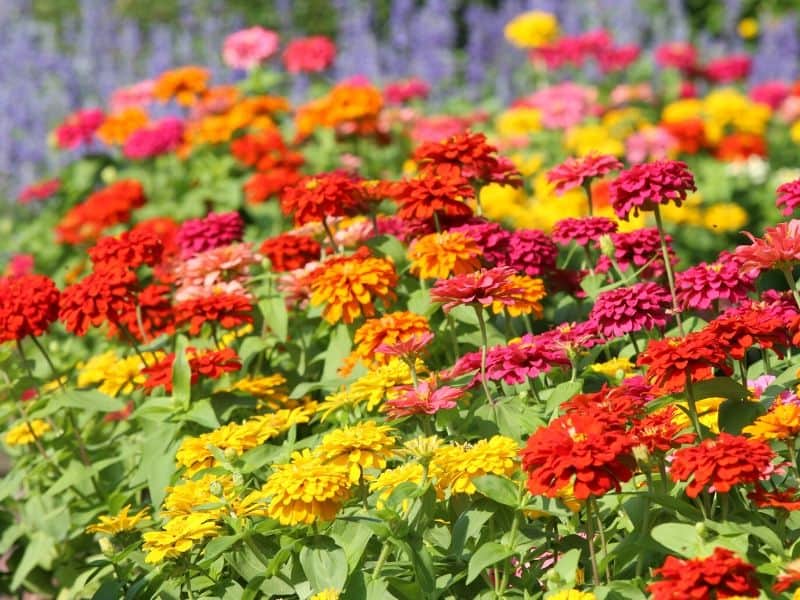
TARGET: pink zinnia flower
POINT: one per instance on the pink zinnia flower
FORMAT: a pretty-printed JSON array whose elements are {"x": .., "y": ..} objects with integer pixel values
[
  {"x": 634, "y": 249},
  {"x": 78, "y": 128},
  {"x": 295, "y": 286},
  {"x": 644, "y": 187},
  {"x": 616, "y": 58},
  {"x": 39, "y": 191},
  {"x": 728, "y": 68},
  {"x": 759, "y": 385},
  {"x": 424, "y": 399},
  {"x": 159, "y": 137},
  {"x": 139, "y": 94},
  {"x": 628, "y": 310},
  {"x": 779, "y": 248},
  {"x": 788, "y": 197},
  {"x": 650, "y": 143},
  {"x": 480, "y": 288},
  {"x": 531, "y": 252},
  {"x": 491, "y": 237},
  {"x": 563, "y": 105},
  {"x": 771, "y": 93},
  {"x": 436, "y": 128},
  {"x": 409, "y": 348},
  {"x": 700, "y": 286},
  {"x": 213, "y": 231},
  {"x": 309, "y": 55},
  {"x": 583, "y": 230},
  {"x": 248, "y": 48},
  {"x": 678, "y": 55},
  {"x": 626, "y": 92},
  {"x": 574, "y": 171},
  {"x": 400, "y": 92},
  {"x": 19, "y": 265},
  {"x": 212, "y": 268}
]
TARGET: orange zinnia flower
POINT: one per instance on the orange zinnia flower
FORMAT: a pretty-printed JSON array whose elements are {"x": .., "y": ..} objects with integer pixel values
[
  {"x": 348, "y": 285},
  {"x": 118, "y": 126},
  {"x": 527, "y": 301},
  {"x": 780, "y": 423},
  {"x": 439, "y": 255},
  {"x": 387, "y": 330},
  {"x": 184, "y": 84}
]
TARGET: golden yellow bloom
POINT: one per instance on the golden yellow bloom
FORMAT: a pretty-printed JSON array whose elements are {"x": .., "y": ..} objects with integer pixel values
[
  {"x": 306, "y": 489},
  {"x": 124, "y": 375},
  {"x": 622, "y": 122},
  {"x": 682, "y": 110},
  {"x": 687, "y": 214},
  {"x": 707, "y": 410},
  {"x": 572, "y": 595},
  {"x": 518, "y": 122},
  {"x": 388, "y": 329},
  {"x": 348, "y": 286},
  {"x": 585, "y": 139},
  {"x": 455, "y": 467},
  {"x": 112, "y": 525},
  {"x": 119, "y": 126},
  {"x": 391, "y": 478},
  {"x": 269, "y": 389},
  {"x": 228, "y": 338},
  {"x": 614, "y": 368},
  {"x": 794, "y": 132},
  {"x": 96, "y": 368},
  {"x": 27, "y": 432},
  {"x": 501, "y": 201},
  {"x": 532, "y": 29},
  {"x": 184, "y": 84},
  {"x": 527, "y": 164},
  {"x": 439, "y": 255},
  {"x": 379, "y": 384},
  {"x": 335, "y": 402},
  {"x": 327, "y": 594},
  {"x": 178, "y": 536},
  {"x": 361, "y": 447},
  {"x": 780, "y": 423},
  {"x": 725, "y": 217},
  {"x": 186, "y": 497},
  {"x": 748, "y": 28},
  {"x": 729, "y": 107},
  {"x": 421, "y": 448},
  {"x": 530, "y": 299}
]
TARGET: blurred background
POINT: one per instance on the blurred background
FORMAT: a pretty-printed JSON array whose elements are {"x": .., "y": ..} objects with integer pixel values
[{"x": 60, "y": 55}]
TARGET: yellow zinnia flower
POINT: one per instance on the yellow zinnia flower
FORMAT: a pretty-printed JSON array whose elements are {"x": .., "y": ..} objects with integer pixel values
[
  {"x": 327, "y": 594},
  {"x": 379, "y": 384},
  {"x": 614, "y": 368},
  {"x": 518, "y": 122},
  {"x": 387, "y": 481},
  {"x": 178, "y": 536},
  {"x": 185, "y": 497},
  {"x": 748, "y": 28},
  {"x": 572, "y": 595},
  {"x": 780, "y": 423},
  {"x": 439, "y": 255},
  {"x": 27, "y": 432},
  {"x": 112, "y": 525},
  {"x": 269, "y": 389},
  {"x": 363, "y": 446},
  {"x": 586, "y": 139},
  {"x": 725, "y": 217},
  {"x": 455, "y": 467},
  {"x": 306, "y": 489},
  {"x": 532, "y": 29},
  {"x": 96, "y": 368}
]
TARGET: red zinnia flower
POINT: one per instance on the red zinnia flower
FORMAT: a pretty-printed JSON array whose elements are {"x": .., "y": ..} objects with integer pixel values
[
  {"x": 263, "y": 186},
  {"x": 577, "y": 450},
  {"x": 309, "y": 54},
  {"x": 721, "y": 575},
  {"x": 155, "y": 315},
  {"x": 265, "y": 151},
  {"x": 671, "y": 360},
  {"x": 719, "y": 464},
  {"x": 583, "y": 230},
  {"x": 211, "y": 364},
  {"x": 627, "y": 310},
  {"x": 288, "y": 251},
  {"x": 442, "y": 190},
  {"x": 788, "y": 197},
  {"x": 574, "y": 171},
  {"x": 28, "y": 305},
  {"x": 739, "y": 330},
  {"x": 615, "y": 407},
  {"x": 491, "y": 238},
  {"x": 784, "y": 499},
  {"x": 645, "y": 186},
  {"x": 658, "y": 431},
  {"x": 727, "y": 69},
  {"x": 778, "y": 249},
  {"x": 102, "y": 296},
  {"x": 39, "y": 191},
  {"x": 316, "y": 197},
  {"x": 102, "y": 209},
  {"x": 225, "y": 310},
  {"x": 131, "y": 249}
]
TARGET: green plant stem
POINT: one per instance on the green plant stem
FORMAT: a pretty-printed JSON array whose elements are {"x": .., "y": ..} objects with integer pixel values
[
  {"x": 787, "y": 273},
  {"x": 693, "y": 407},
  {"x": 451, "y": 326},
  {"x": 512, "y": 538},
  {"x": 590, "y": 541},
  {"x": 587, "y": 187},
  {"x": 645, "y": 530},
  {"x": 484, "y": 351},
  {"x": 635, "y": 343},
  {"x": 724, "y": 501},
  {"x": 793, "y": 456},
  {"x": 743, "y": 372},
  {"x": 381, "y": 559},
  {"x": 329, "y": 233},
  {"x": 668, "y": 268},
  {"x": 602, "y": 532}
]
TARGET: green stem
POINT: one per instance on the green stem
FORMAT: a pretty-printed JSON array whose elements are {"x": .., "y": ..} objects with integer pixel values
[
  {"x": 787, "y": 273},
  {"x": 590, "y": 541},
  {"x": 484, "y": 351},
  {"x": 602, "y": 532},
  {"x": 693, "y": 407},
  {"x": 587, "y": 187},
  {"x": 381, "y": 559},
  {"x": 668, "y": 267}
]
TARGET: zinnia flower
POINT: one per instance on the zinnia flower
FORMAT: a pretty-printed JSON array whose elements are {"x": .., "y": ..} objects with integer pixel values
[
  {"x": 719, "y": 464},
  {"x": 782, "y": 422},
  {"x": 212, "y": 231},
  {"x": 309, "y": 55},
  {"x": 349, "y": 285},
  {"x": 645, "y": 186},
  {"x": 289, "y": 251},
  {"x": 778, "y": 249},
  {"x": 699, "y": 287},
  {"x": 179, "y": 535},
  {"x": 627, "y": 310},
  {"x": 184, "y": 84},
  {"x": 79, "y": 128},
  {"x": 721, "y": 575},
  {"x": 481, "y": 288},
  {"x": 581, "y": 451},
  {"x": 363, "y": 446},
  {"x": 160, "y": 137},
  {"x": 101, "y": 296},
  {"x": 439, "y": 255},
  {"x": 39, "y": 191},
  {"x": 455, "y": 468},
  {"x": 131, "y": 249},
  {"x": 491, "y": 238},
  {"x": 788, "y": 197},
  {"x": 386, "y": 330},
  {"x": 227, "y": 311},
  {"x": 583, "y": 230},
  {"x": 441, "y": 191},
  {"x": 26, "y": 432},
  {"x": 424, "y": 399},
  {"x": 28, "y": 306},
  {"x": 306, "y": 490},
  {"x": 532, "y": 29},
  {"x": 248, "y": 48},
  {"x": 573, "y": 172},
  {"x": 317, "y": 197},
  {"x": 531, "y": 252},
  {"x": 118, "y": 523}
]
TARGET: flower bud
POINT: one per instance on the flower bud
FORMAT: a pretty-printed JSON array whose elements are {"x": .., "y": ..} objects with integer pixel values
[
  {"x": 238, "y": 479},
  {"x": 106, "y": 547},
  {"x": 607, "y": 245},
  {"x": 230, "y": 453},
  {"x": 216, "y": 489}
]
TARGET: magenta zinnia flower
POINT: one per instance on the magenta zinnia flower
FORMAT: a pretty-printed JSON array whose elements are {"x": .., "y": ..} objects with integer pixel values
[
  {"x": 531, "y": 252},
  {"x": 480, "y": 288},
  {"x": 491, "y": 237},
  {"x": 702, "y": 285},
  {"x": 631, "y": 309},
  {"x": 634, "y": 249},
  {"x": 424, "y": 399},
  {"x": 645, "y": 186},
  {"x": 779, "y": 248},
  {"x": 574, "y": 171},
  {"x": 213, "y": 231},
  {"x": 583, "y": 230},
  {"x": 788, "y": 197}
]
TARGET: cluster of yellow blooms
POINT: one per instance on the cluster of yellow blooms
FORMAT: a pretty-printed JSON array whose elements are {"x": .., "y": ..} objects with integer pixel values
[{"x": 114, "y": 374}]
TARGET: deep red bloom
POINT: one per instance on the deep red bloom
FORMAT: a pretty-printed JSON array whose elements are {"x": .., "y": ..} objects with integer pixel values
[
  {"x": 645, "y": 186},
  {"x": 728, "y": 68},
  {"x": 317, "y": 197},
  {"x": 400, "y": 92},
  {"x": 583, "y": 230},
  {"x": 788, "y": 197},
  {"x": 288, "y": 251},
  {"x": 263, "y": 186},
  {"x": 39, "y": 191},
  {"x": 699, "y": 287},
  {"x": 102, "y": 296},
  {"x": 223, "y": 310},
  {"x": 658, "y": 431},
  {"x": 740, "y": 146},
  {"x": 616, "y": 407},
  {"x": 28, "y": 305},
  {"x": 102, "y": 209},
  {"x": 785, "y": 499},
  {"x": 577, "y": 450},
  {"x": 630, "y": 309},
  {"x": 442, "y": 190},
  {"x": 265, "y": 151},
  {"x": 719, "y": 464},
  {"x": 155, "y": 315},
  {"x": 721, "y": 575},
  {"x": 671, "y": 360},
  {"x": 690, "y": 134},
  {"x": 209, "y": 364},
  {"x": 309, "y": 54},
  {"x": 573, "y": 172},
  {"x": 740, "y": 330},
  {"x": 679, "y": 55},
  {"x": 131, "y": 249}
]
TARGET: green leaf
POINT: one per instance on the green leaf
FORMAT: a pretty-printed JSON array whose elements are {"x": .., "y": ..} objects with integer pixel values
[
  {"x": 734, "y": 415},
  {"x": 484, "y": 557},
  {"x": 338, "y": 348},
  {"x": 158, "y": 461},
  {"x": 202, "y": 413},
  {"x": 515, "y": 419},
  {"x": 353, "y": 538},
  {"x": 181, "y": 375},
  {"x": 219, "y": 545},
  {"x": 567, "y": 567},
  {"x": 324, "y": 563},
  {"x": 467, "y": 526},
  {"x": 41, "y": 551},
  {"x": 497, "y": 488},
  {"x": 88, "y": 400},
  {"x": 680, "y": 538},
  {"x": 276, "y": 316},
  {"x": 563, "y": 392},
  {"x": 720, "y": 387}
]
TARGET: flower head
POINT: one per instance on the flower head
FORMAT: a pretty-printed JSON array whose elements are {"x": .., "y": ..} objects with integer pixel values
[
  {"x": 28, "y": 306},
  {"x": 455, "y": 468},
  {"x": 699, "y": 287},
  {"x": 363, "y": 447},
  {"x": 532, "y": 29},
  {"x": 645, "y": 186},
  {"x": 441, "y": 190},
  {"x": 627, "y": 310},
  {"x": 471, "y": 155},
  {"x": 179, "y": 535},
  {"x": 224, "y": 310},
  {"x": 100, "y": 297},
  {"x": 582, "y": 231},
  {"x": 385, "y": 331},
  {"x": 184, "y": 85},
  {"x": 778, "y": 249},
  {"x": 79, "y": 128},
  {"x": 122, "y": 521},
  {"x": 788, "y": 197},
  {"x": 673, "y": 361},
  {"x": 423, "y": 399},
  {"x": 317, "y": 197},
  {"x": 309, "y": 55},
  {"x": 573, "y": 172},
  {"x": 248, "y": 48},
  {"x": 289, "y": 251},
  {"x": 480, "y": 288},
  {"x": 531, "y": 252},
  {"x": 39, "y": 191},
  {"x": 439, "y": 255},
  {"x": 26, "y": 432},
  {"x": 782, "y": 422},
  {"x": 721, "y": 575},
  {"x": 212, "y": 231}
]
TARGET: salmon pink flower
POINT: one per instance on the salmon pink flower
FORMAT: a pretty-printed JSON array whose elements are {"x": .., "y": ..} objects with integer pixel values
[
  {"x": 778, "y": 249},
  {"x": 424, "y": 399},
  {"x": 481, "y": 288},
  {"x": 788, "y": 197},
  {"x": 248, "y": 48},
  {"x": 574, "y": 172}
]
